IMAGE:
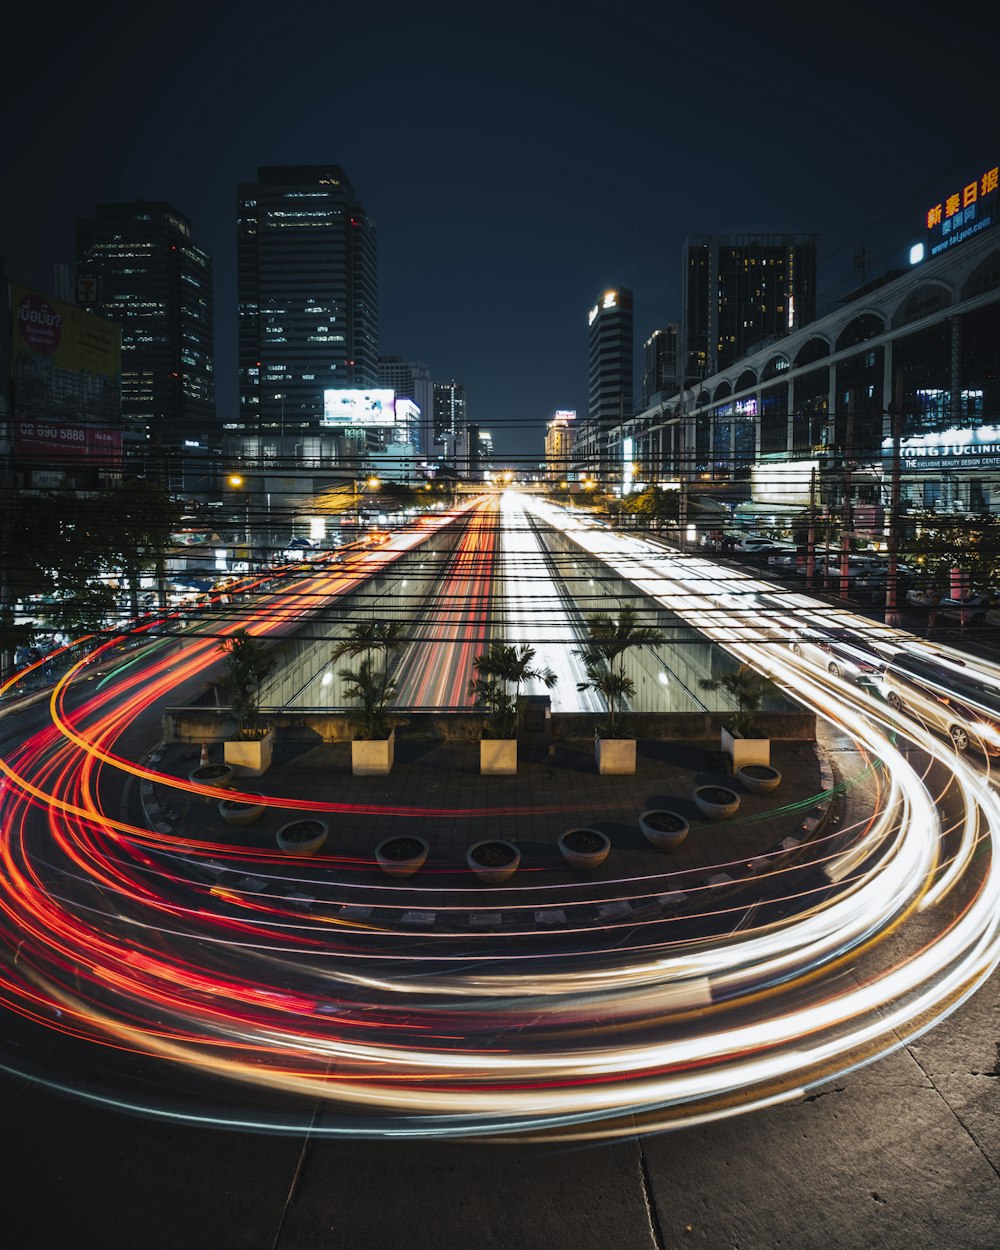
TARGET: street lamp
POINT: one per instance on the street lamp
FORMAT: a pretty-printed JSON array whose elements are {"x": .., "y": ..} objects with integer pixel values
[{"x": 236, "y": 481}]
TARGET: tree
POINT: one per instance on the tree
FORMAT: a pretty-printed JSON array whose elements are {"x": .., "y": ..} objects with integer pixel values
[
  {"x": 746, "y": 687},
  {"x": 136, "y": 520},
  {"x": 610, "y": 638},
  {"x": 249, "y": 663},
  {"x": 371, "y": 684},
  {"x": 500, "y": 673}
]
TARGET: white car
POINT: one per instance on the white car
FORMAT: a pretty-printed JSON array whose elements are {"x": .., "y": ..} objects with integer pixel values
[{"x": 837, "y": 653}]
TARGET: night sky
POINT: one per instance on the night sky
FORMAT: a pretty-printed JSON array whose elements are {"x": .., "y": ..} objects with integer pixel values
[{"x": 516, "y": 160}]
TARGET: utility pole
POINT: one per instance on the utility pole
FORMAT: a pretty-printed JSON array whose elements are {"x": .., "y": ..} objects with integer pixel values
[
  {"x": 847, "y": 512},
  {"x": 811, "y": 533},
  {"x": 892, "y": 616}
]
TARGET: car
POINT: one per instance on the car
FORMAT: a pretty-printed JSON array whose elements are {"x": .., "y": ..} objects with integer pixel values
[
  {"x": 961, "y": 705},
  {"x": 857, "y": 566},
  {"x": 839, "y": 653},
  {"x": 752, "y": 544},
  {"x": 970, "y": 607}
]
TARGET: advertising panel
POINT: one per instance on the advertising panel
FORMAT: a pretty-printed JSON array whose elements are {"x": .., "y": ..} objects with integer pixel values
[
  {"x": 965, "y": 208},
  {"x": 65, "y": 381},
  {"x": 976, "y": 449},
  {"x": 359, "y": 408},
  {"x": 786, "y": 482}
]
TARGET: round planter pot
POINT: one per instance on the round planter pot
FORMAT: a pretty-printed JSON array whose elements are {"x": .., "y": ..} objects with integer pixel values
[
  {"x": 493, "y": 860},
  {"x": 302, "y": 837},
  {"x": 402, "y": 856},
  {"x": 584, "y": 848},
  {"x": 233, "y": 812},
  {"x": 759, "y": 778},
  {"x": 217, "y": 775},
  {"x": 717, "y": 802},
  {"x": 663, "y": 829}
]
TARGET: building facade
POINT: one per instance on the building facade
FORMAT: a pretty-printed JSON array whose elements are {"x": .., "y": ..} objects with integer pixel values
[
  {"x": 741, "y": 290},
  {"x": 902, "y": 382},
  {"x": 137, "y": 265},
  {"x": 659, "y": 365},
  {"x": 307, "y": 287},
  {"x": 411, "y": 379},
  {"x": 450, "y": 411},
  {"x": 610, "y": 379},
  {"x": 559, "y": 445}
]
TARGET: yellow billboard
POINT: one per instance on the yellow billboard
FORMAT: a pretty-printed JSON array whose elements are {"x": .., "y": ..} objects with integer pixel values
[{"x": 65, "y": 363}]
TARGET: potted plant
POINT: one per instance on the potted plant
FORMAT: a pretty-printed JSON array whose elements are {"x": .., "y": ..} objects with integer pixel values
[
  {"x": 759, "y": 778},
  {"x": 373, "y": 747},
  {"x": 216, "y": 775},
  {"x": 584, "y": 848},
  {"x": 402, "y": 856},
  {"x": 493, "y": 860},
  {"x": 500, "y": 674},
  {"x": 717, "y": 802},
  {"x": 742, "y": 738},
  {"x": 239, "y": 811},
  {"x": 663, "y": 829},
  {"x": 304, "y": 836},
  {"x": 610, "y": 638},
  {"x": 249, "y": 663}
]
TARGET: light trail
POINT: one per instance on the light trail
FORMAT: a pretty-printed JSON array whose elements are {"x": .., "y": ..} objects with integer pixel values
[{"x": 608, "y": 1026}]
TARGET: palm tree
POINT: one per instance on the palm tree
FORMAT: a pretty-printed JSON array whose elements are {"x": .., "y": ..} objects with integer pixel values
[
  {"x": 369, "y": 684},
  {"x": 746, "y": 687},
  {"x": 500, "y": 674},
  {"x": 249, "y": 663},
  {"x": 609, "y": 639}
]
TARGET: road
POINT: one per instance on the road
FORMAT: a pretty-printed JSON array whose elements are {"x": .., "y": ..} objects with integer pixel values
[{"x": 341, "y": 1034}]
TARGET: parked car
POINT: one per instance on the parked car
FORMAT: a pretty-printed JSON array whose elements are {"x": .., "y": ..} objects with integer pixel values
[
  {"x": 856, "y": 566},
  {"x": 971, "y": 607},
  {"x": 874, "y": 581}
]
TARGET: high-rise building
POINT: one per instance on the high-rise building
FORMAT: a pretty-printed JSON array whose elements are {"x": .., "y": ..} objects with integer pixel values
[
  {"x": 136, "y": 264},
  {"x": 450, "y": 415},
  {"x": 659, "y": 367},
  {"x": 411, "y": 380},
  {"x": 559, "y": 444},
  {"x": 307, "y": 287},
  {"x": 611, "y": 373},
  {"x": 740, "y": 291},
  {"x": 611, "y": 378}
]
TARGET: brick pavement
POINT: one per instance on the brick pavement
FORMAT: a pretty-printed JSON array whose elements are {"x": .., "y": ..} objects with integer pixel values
[{"x": 435, "y": 791}]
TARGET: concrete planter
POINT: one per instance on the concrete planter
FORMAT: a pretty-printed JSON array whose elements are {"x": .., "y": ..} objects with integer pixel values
[
  {"x": 663, "y": 829},
  {"x": 615, "y": 756},
  {"x": 746, "y": 750},
  {"x": 216, "y": 775},
  {"x": 758, "y": 778},
  {"x": 235, "y": 812},
  {"x": 304, "y": 836},
  {"x": 584, "y": 848},
  {"x": 372, "y": 757},
  {"x": 252, "y": 758},
  {"x": 717, "y": 802},
  {"x": 493, "y": 861},
  {"x": 498, "y": 757},
  {"x": 402, "y": 855}
]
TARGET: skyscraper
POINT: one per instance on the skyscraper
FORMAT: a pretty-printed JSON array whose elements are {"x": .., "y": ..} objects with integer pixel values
[
  {"x": 659, "y": 368},
  {"x": 611, "y": 358},
  {"x": 308, "y": 295},
  {"x": 610, "y": 378},
  {"x": 450, "y": 415},
  {"x": 740, "y": 290},
  {"x": 411, "y": 380},
  {"x": 137, "y": 265}
]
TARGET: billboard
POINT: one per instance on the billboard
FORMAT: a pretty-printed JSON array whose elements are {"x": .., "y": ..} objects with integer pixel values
[
  {"x": 356, "y": 408},
  {"x": 65, "y": 379},
  {"x": 787, "y": 482}
]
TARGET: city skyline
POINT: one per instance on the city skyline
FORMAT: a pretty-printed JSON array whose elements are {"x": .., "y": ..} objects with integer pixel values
[{"x": 511, "y": 169}]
